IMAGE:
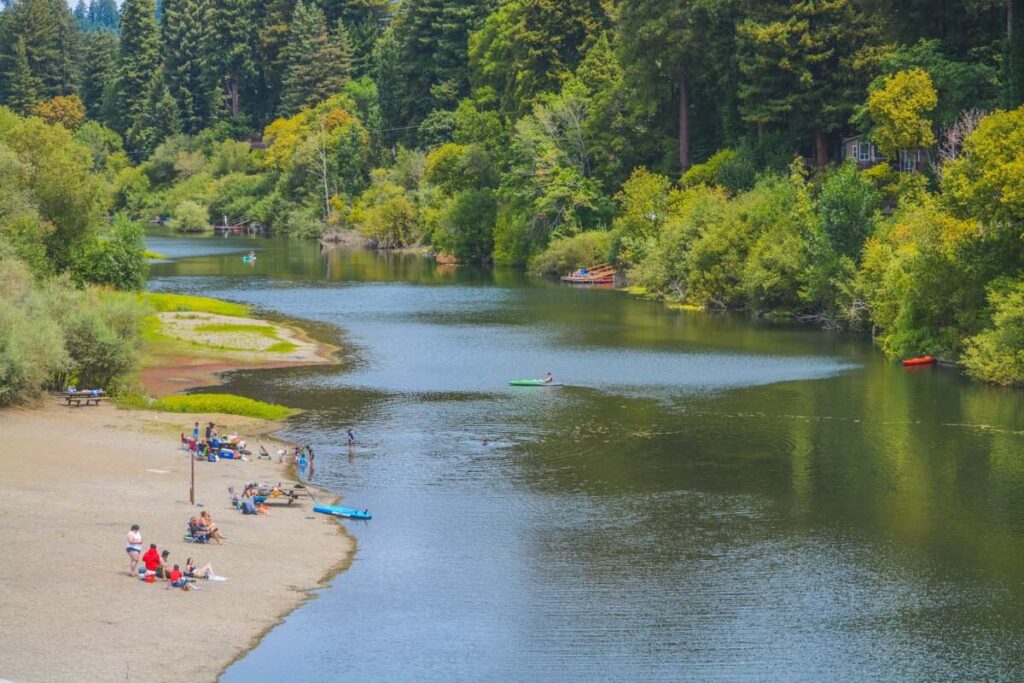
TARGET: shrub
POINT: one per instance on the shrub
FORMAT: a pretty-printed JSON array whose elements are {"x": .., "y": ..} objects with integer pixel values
[
  {"x": 569, "y": 253},
  {"x": 228, "y": 404},
  {"x": 467, "y": 227},
  {"x": 117, "y": 259},
  {"x": 997, "y": 354},
  {"x": 190, "y": 216},
  {"x": 32, "y": 349}
]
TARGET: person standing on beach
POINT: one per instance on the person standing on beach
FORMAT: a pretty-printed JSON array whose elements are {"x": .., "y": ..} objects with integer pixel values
[
  {"x": 195, "y": 432},
  {"x": 133, "y": 544}
]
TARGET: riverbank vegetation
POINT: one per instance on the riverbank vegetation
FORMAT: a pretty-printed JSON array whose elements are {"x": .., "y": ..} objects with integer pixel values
[{"x": 853, "y": 163}]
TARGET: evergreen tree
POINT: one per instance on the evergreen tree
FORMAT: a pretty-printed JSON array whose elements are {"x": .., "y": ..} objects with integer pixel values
[
  {"x": 1014, "y": 54},
  {"x": 23, "y": 88},
  {"x": 103, "y": 15},
  {"x": 666, "y": 48},
  {"x": 365, "y": 21},
  {"x": 98, "y": 68},
  {"x": 797, "y": 67},
  {"x": 184, "y": 72},
  {"x": 82, "y": 15},
  {"x": 316, "y": 62},
  {"x": 527, "y": 47},
  {"x": 432, "y": 66},
  {"x": 274, "y": 17},
  {"x": 228, "y": 49},
  {"x": 157, "y": 119},
  {"x": 50, "y": 38},
  {"x": 139, "y": 59}
]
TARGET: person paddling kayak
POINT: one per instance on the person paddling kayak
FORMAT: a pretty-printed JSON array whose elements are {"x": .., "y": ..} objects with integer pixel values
[{"x": 548, "y": 378}]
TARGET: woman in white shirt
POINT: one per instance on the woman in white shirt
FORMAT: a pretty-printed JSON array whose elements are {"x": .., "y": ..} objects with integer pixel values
[{"x": 133, "y": 544}]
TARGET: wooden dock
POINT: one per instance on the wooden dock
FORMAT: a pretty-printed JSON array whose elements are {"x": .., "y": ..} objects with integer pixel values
[{"x": 601, "y": 274}]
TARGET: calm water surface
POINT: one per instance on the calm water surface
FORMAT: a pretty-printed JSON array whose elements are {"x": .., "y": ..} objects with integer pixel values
[{"x": 709, "y": 498}]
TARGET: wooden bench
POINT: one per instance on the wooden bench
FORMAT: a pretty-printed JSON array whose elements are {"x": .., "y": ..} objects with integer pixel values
[{"x": 80, "y": 397}]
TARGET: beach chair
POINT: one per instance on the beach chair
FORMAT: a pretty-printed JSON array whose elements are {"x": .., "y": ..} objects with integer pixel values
[
  {"x": 194, "y": 535},
  {"x": 264, "y": 453}
]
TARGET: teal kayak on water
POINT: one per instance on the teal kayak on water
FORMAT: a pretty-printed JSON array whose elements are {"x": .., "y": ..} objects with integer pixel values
[
  {"x": 533, "y": 383},
  {"x": 339, "y": 511}
]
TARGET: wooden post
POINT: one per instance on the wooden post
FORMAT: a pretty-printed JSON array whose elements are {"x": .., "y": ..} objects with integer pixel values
[{"x": 192, "y": 483}]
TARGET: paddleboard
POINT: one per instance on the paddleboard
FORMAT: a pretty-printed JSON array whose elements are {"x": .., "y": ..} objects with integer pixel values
[
  {"x": 248, "y": 259},
  {"x": 339, "y": 511},
  {"x": 533, "y": 383}
]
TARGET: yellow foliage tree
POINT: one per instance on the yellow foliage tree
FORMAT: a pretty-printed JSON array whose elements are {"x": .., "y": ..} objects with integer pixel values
[
  {"x": 68, "y": 111},
  {"x": 900, "y": 108}
]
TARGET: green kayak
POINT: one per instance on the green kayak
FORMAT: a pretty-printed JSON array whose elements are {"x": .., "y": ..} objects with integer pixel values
[{"x": 533, "y": 383}]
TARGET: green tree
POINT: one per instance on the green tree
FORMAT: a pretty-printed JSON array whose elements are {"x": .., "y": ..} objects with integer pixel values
[
  {"x": 184, "y": 69},
  {"x": 138, "y": 61},
  {"x": 316, "y": 62},
  {"x": 796, "y": 63},
  {"x": 47, "y": 32},
  {"x": 467, "y": 225},
  {"x": 22, "y": 87},
  {"x": 900, "y": 110},
  {"x": 430, "y": 65},
  {"x": 157, "y": 120},
  {"x": 997, "y": 354},
  {"x": 527, "y": 47},
  {"x": 847, "y": 204},
  {"x": 985, "y": 182},
  {"x": 228, "y": 49},
  {"x": 103, "y": 15},
  {"x": 100, "y": 49},
  {"x": 365, "y": 21}
]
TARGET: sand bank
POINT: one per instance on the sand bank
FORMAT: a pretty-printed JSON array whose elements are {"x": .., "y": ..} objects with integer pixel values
[
  {"x": 185, "y": 349},
  {"x": 75, "y": 480}
]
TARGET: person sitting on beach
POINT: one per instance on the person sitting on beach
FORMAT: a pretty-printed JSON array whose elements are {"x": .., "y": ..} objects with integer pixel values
[
  {"x": 164, "y": 567},
  {"x": 176, "y": 578},
  {"x": 193, "y": 573},
  {"x": 199, "y": 530},
  {"x": 211, "y": 528},
  {"x": 151, "y": 559}
]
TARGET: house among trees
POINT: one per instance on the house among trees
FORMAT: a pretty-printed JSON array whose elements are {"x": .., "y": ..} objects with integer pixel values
[{"x": 864, "y": 152}]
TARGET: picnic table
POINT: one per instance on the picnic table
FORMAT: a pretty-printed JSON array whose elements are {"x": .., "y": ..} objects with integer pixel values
[{"x": 87, "y": 397}]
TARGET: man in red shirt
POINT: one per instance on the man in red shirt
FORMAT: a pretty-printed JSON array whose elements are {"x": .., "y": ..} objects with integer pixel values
[{"x": 151, "y": 559}]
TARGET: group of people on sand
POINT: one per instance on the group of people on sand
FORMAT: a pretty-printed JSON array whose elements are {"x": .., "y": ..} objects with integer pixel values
[
  {"x": 209, "y": 445},
  {"x": 155, "y": 564}
]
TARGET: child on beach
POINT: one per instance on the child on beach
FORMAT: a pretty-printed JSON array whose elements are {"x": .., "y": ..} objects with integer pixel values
[{"x": 133, "y": 544}]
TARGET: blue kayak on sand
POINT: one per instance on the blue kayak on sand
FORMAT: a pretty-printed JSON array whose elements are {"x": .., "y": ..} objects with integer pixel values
[{"x": 339, "y": 511}]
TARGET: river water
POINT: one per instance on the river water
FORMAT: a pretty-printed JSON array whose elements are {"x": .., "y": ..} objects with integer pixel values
[{"x": 708, "y": 498}]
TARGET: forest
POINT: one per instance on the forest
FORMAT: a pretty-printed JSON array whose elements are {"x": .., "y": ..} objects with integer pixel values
[{"x": 857, "y": 164}]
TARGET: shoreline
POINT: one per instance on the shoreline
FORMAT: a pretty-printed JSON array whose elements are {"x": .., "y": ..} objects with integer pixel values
[{"x": 74, "y": 491}]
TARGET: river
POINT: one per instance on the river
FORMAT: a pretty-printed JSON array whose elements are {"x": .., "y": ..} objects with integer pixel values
[{"x": 708, "y": 497}]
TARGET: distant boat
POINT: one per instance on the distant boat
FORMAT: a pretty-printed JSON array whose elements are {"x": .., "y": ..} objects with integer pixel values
[
  {"x": 533, "y": 383},
  {"x": 249, "y": 259},
  {"x": 921, "y": 360}
]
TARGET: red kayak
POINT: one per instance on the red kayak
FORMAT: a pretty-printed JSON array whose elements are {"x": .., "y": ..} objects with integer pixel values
[{"x": 922, "y": 360}]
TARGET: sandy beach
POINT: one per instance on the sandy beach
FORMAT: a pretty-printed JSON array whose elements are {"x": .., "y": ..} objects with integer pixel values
[{"x": 76, "y": 479}]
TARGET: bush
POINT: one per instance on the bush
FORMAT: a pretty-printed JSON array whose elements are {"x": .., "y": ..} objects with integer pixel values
[
  {"x": 32, "y": 349},
  {"x": 103, "y": 337},
  {"x": 228, "y": 404},
  {"x": 190, "y": 216},
  {"x": 117, "y": 260},
  {"x": 847, "y": 204},
  {"x": 997, "y": 354},
  {"x": 569, "y": 253},
  {"x": 467, "y": 227}
]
